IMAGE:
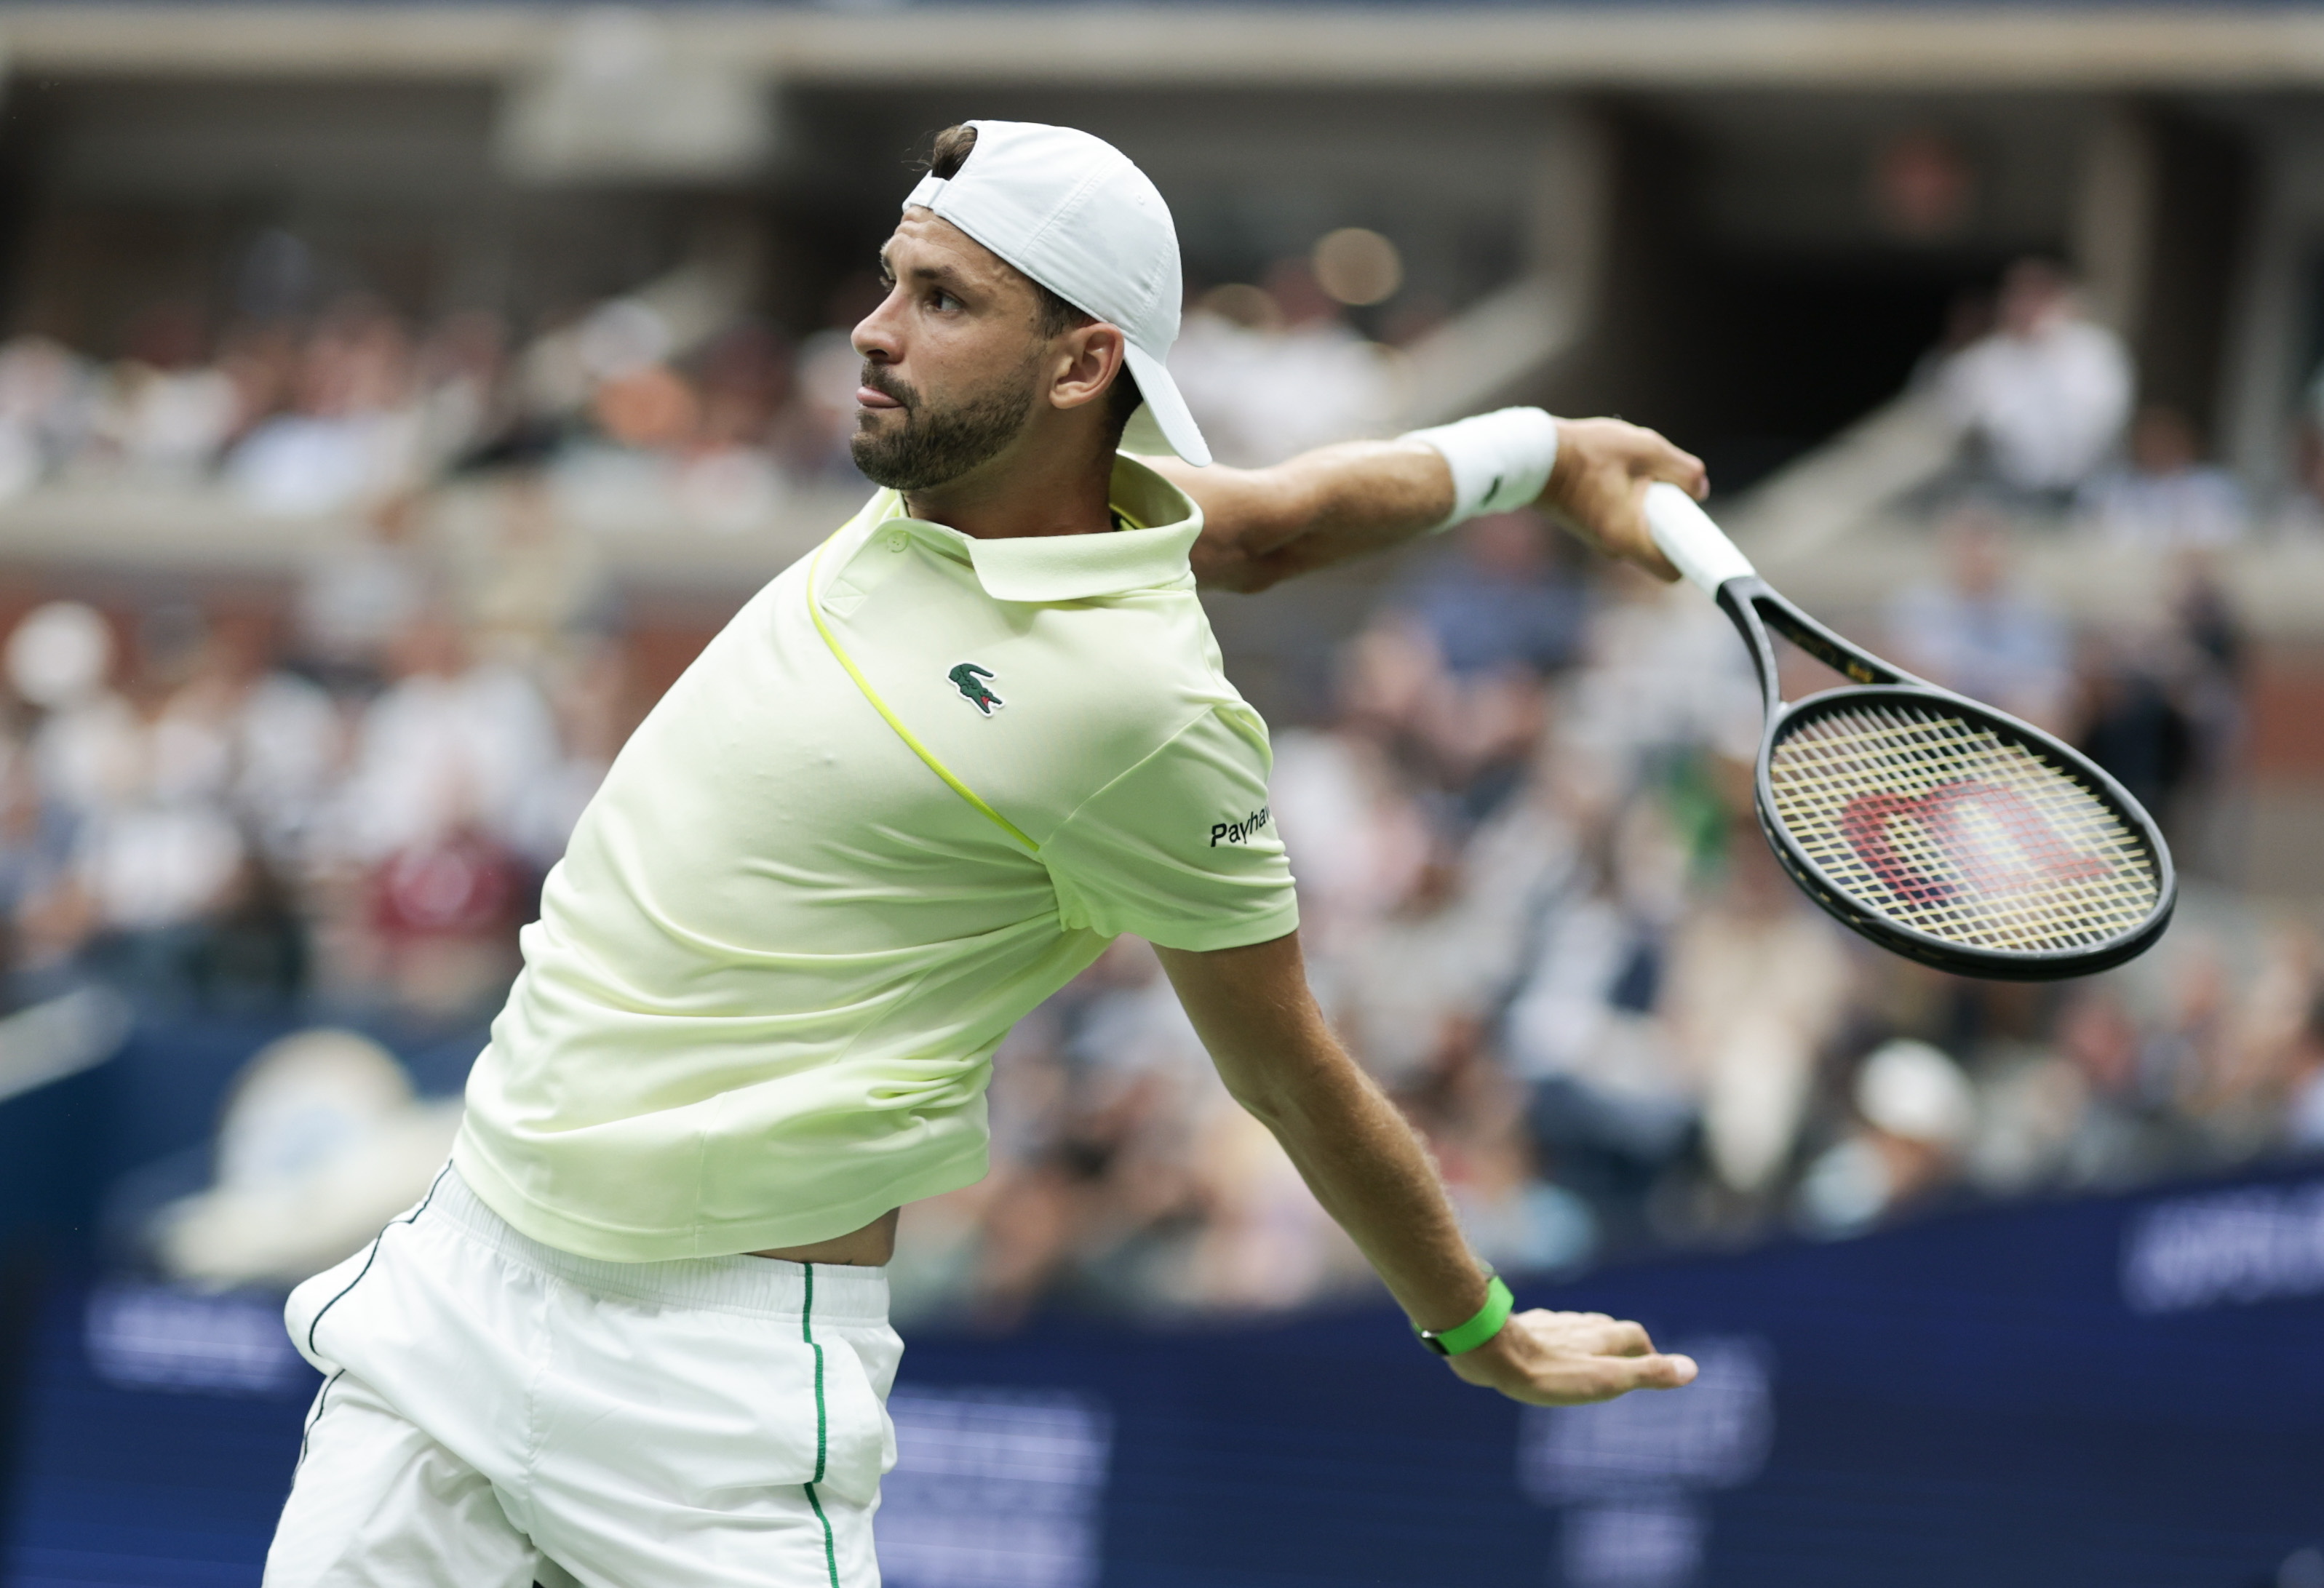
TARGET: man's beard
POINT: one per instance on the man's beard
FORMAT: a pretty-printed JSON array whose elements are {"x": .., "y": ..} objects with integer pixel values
[{"x": 934, "y": 447}]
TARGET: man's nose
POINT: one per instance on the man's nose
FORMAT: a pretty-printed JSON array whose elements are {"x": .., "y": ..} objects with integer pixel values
[{"x": 875, "y": 336}]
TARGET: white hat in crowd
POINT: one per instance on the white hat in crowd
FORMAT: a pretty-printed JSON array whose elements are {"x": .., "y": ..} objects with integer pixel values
[
  {"x": 1072, "y": 212},
  {"x": 58, "y": 655},
  {"x": 1912, "y": 1090}
]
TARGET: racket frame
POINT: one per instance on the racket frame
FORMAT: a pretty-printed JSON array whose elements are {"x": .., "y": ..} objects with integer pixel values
[{"x": 1754, "y": 609}]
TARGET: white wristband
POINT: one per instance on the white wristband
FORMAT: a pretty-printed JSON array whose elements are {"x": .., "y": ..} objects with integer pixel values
[{"x": 1500, "y": 461}]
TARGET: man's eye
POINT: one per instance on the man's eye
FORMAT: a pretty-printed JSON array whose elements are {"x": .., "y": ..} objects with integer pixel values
[{"x": 944, "y": 300}]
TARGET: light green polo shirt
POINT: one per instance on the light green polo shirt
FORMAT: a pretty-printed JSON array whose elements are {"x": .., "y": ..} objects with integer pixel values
[{"x": 759, "y": 1006}]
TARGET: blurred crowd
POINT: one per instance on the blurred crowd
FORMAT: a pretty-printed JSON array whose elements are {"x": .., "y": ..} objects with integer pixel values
[
  {"x": 672, "y": 402},
  {"x": 188, "y": 814},
  {"x": 1533, "y": 900},
  {"x": 637, "y": 403},
  {"x": 2043, "y": 397}
]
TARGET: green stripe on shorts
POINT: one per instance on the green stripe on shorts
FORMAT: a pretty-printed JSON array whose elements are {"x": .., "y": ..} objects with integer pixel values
[{"x": 821, "y": 1428}]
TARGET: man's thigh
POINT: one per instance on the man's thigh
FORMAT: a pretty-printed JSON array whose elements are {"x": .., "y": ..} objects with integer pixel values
[
  {"x": 793, "y": 1537},
  {"x": 378, "y": 1504},
  {"x": 710, "y": 1450}
]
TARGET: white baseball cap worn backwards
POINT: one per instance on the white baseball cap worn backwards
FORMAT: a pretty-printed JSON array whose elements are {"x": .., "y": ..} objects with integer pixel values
[{"x": 1073, "y": 212}]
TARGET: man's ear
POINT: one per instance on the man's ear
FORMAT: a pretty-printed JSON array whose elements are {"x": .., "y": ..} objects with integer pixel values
[{"x": 1092, "y": 358}]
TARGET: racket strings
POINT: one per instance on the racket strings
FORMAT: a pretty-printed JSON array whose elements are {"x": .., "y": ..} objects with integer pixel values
[{"x": 1947, "y": 826}]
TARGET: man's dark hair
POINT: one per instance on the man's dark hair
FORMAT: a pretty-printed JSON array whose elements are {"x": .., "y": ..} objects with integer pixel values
[{"x": 1056, "y": 315}]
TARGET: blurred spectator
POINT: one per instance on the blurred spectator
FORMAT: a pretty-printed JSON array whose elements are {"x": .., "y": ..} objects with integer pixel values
[
  {"x": 35, "y": 848},
  {"x": 522, "y": 574},
  {"x": 826, "y": 373},
  {"x": 357, "y": 596},
  {"x": 1362, "y": 839},
  {"x": 352, "y": 433},
  {"x": 1499, "y": 601},
  {"x": 2134, "y": 723},
  {"x": 2162, "y": 707},
  {"x": 249, "y": 735},
  {"x": 156, "y": 853},
  {"x": 1271, "y": 372},
  {"x": 1757, "y": 983},
  {"x": 464, "y": 399},
  {"x": 1922, "y": 188},
  {"x": 1661, "y": 678},
  {"x": 2045, "y": 394},
  {"x": 321, "y": 1142},
  {"x": 1421, "y": 977},
  {"x": 1977, "y": 633},
  {"x": 1611, "y": 1106},
  {"x": 48, "y": 398},
  {"x": 2118, "y": 1137},
  {"x": 438, "y": 802},
  {"x": 1915, "y": 1112},
  {"x": 85, "y": 751},
  {"x": 2303, "y": 1113},
  {"x": 452, "y": 745},
  {"x": 165, "y": 421},
  {"x": 2306, "y": 509},
  {"x": 2167, "y": 496}
]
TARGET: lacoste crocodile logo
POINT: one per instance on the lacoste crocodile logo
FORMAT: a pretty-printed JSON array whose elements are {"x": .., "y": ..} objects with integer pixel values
[{"x": 969, "y": 679}]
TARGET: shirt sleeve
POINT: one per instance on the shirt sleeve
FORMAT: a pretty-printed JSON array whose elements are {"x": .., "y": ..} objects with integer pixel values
[{"x": 1182, "y": 848}]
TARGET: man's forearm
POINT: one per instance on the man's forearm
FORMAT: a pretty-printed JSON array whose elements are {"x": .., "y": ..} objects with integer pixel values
[
  {"x": 1263, "y": 526},
  {"x": 1369, "y": 1171},
  {"x": 1357, "y": 1153}
]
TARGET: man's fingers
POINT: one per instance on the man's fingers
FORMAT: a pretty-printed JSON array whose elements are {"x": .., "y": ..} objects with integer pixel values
[
  {"x": 1663, "y": 1371},
  {"x": 1683, "y": 469},
  {"x": 1636, "y": 532},
  {"x": 1624, "y": 1339},
  {"x": 1594, "y": 1334},
  {"x": 1609, "y": 1376},
  {"x": 1663, "y": 460}
]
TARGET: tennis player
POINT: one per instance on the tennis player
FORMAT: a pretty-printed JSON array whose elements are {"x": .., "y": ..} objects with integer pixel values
[{"x": 637, "y": 1332}]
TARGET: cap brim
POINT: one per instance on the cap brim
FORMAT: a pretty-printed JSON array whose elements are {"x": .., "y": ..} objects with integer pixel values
[{"x": 1168, "y": 408}]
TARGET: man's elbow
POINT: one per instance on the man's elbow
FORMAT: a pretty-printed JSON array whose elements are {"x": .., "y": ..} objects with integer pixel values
[
  {"x": 1295, "y": 1096},
  {"x": 1261, "y": 1091},
  {"x": 1256, "y": 531},
  {"x": 1235, "y": 571}
]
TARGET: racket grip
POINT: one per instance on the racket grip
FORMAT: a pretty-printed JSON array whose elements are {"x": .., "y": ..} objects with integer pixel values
[{"x": 1697, "y": 547}]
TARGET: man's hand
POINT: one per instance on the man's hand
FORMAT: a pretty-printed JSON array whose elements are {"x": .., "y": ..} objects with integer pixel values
[
  {"x": 1598, "y": 488},
  {"x": 1571, "y": 1358}
]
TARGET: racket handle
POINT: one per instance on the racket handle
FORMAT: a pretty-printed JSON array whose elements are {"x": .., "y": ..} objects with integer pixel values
[{"x": 1699, "y": 548}]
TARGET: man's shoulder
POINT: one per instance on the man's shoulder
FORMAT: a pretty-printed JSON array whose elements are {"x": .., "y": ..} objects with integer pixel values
[{"x": 1155, "y": 668}]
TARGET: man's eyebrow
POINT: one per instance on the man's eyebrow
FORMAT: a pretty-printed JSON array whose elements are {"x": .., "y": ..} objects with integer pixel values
[{"x": 941, "y": 273}]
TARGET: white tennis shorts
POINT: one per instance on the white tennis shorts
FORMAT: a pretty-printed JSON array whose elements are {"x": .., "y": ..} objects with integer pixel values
[{"x": 496, "y": 1412}]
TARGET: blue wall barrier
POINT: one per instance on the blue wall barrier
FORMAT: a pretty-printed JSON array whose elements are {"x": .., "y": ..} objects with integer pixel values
[{"x": 2126, "y": 1392}]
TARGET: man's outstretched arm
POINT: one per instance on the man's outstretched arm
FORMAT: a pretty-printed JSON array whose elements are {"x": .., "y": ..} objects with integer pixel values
[
  {"x": 1371, "y": 1172},
  {"x": 1263, "y": 526}
]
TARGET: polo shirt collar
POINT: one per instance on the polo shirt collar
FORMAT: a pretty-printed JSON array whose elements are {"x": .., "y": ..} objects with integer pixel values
[{"x": 1083, "y": 568}]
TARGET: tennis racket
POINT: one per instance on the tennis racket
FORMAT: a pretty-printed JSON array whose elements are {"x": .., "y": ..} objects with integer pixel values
[{"x": 1940, "y": 829}]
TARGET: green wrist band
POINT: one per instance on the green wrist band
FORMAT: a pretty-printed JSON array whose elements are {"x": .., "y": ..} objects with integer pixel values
[{"x": 1468, "y": 1336}]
